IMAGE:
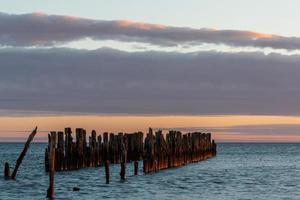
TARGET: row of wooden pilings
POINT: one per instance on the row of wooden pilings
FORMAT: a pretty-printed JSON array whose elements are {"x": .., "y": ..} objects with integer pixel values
[
  {"x": 71, "y": 155},
  {"x": 156, "y": 151},
  {"x": 176, "y": 150}
]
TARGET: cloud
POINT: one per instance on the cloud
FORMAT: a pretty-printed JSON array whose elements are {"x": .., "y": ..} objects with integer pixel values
[
  {"x": 38, "y": 29},
  {"x": 111, "y": 81},
  {"x": 258, "y": 129}
]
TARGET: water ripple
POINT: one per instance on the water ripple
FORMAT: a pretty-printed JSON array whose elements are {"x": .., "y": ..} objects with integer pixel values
[{"x": 239, "y": 172}]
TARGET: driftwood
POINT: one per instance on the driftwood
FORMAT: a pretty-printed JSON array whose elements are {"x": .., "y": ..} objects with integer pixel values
[{"x": 23, "y": 153}]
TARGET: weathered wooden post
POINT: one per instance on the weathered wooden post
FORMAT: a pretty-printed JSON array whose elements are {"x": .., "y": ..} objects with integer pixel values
[
  {"x": 149, "y": 149},
  {"x": 123, "y": 157},
  {"x": 68, "y": 149},
  {"x": 60, "y": 152},
  {"x": 123, "y": 170},
  {"x": 23, "y": 153},
  {"x": 84, "y": 149},
  {"x": 47, "y": 150},
  {"x": 133, "y": 150},
  {"x": 105, "y": 149},
  {"x": 79, "y": 148},
  {"x": 107, "y": 171},
  {"x": 111, "y": 148},
  {"x": 6, "y": 171},
  {"x": 140, "y": 145},
  {"x": 99, "y": 150},
  {"x": 136, "y": 167},
  {"x": 50, "y": 191},
  {"x": 47, "y": 160},
  {"x": 214, "y": 148},
  {"x": 93, "y": 146}
]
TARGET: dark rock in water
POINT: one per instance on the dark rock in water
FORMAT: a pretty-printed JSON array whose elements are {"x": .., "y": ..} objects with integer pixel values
[{"x": 76, "y": 189}]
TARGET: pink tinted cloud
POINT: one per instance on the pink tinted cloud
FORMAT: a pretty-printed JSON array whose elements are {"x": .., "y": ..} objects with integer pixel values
[{"x": 42, "y": 29}]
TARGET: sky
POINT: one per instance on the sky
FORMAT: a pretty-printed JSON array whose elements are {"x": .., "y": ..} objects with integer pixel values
[
  {"x": 277, "y": 17},
  {"x": 227, "y": 67}
]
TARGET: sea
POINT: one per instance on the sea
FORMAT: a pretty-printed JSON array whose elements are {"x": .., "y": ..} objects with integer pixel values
[{"x": 240, "y": 171}]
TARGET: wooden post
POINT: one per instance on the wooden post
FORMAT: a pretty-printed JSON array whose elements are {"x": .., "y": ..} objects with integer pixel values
[
  {"x": 111, "y": 148},
  {"x": 47, "y": 160},
  {"x": 23, "y": 153},
  {"x": 68, "y": 149},
  {"x": 140, "y": 145},
  {"x": 6, "y": 171},
  {"x": 105, "y": 149},
  {"x": 99, "y": 150},
  {"x": 123, "y": 157},
  {"x": 84, "y": 149},
  {"x": 47, "y": 154},
  {"x": 136, "y": 167},
  {"x": 107, "y": 171},
  {"x": 80, "y": 134},
  {"x": 93, "y": 147},
  {"x": 60, "y": 152},
  {"x": 123, "y": 170},
  {"x": 214, "y": 148},
  {"x": 149, "y": 152},
  {"x": 50, "y": 191}
]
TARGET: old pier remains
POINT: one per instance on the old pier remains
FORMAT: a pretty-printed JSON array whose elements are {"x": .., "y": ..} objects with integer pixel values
[{"x": 156, "y": 150}]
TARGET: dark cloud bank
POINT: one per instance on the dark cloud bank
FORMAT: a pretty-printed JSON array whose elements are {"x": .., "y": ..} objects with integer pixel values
[
  {"x": 40, "y": 29},
  {"x": 111, "y": 81}
]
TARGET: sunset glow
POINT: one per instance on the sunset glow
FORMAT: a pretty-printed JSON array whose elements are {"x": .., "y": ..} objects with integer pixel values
[
  {"x": 16, "y": 128},
  {"x": 173, "y": 66},
  {"x": 138, "y": 25},
  {"x": 262, "y": 35}
]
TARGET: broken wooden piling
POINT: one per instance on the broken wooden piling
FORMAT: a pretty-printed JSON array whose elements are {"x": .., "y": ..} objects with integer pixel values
[
  {"x": 107, "y": 173},
  {"x": 23, "y": 153},
  {"x": 136, "y": 167},
  {"x": 124, "y": 148},
  {"x": 50, "y": 191},
  {"x": 6, "y": 171}
]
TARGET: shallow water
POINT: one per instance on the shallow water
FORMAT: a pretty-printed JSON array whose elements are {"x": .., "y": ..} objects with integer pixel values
[{"x": 240, "y": 171}]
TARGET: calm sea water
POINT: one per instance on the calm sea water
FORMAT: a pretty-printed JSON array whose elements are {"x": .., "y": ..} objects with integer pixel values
[{"x": 240, "y": 171}]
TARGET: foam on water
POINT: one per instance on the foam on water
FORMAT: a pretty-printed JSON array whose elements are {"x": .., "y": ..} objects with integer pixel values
[{"x": 240, "y": 171}]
